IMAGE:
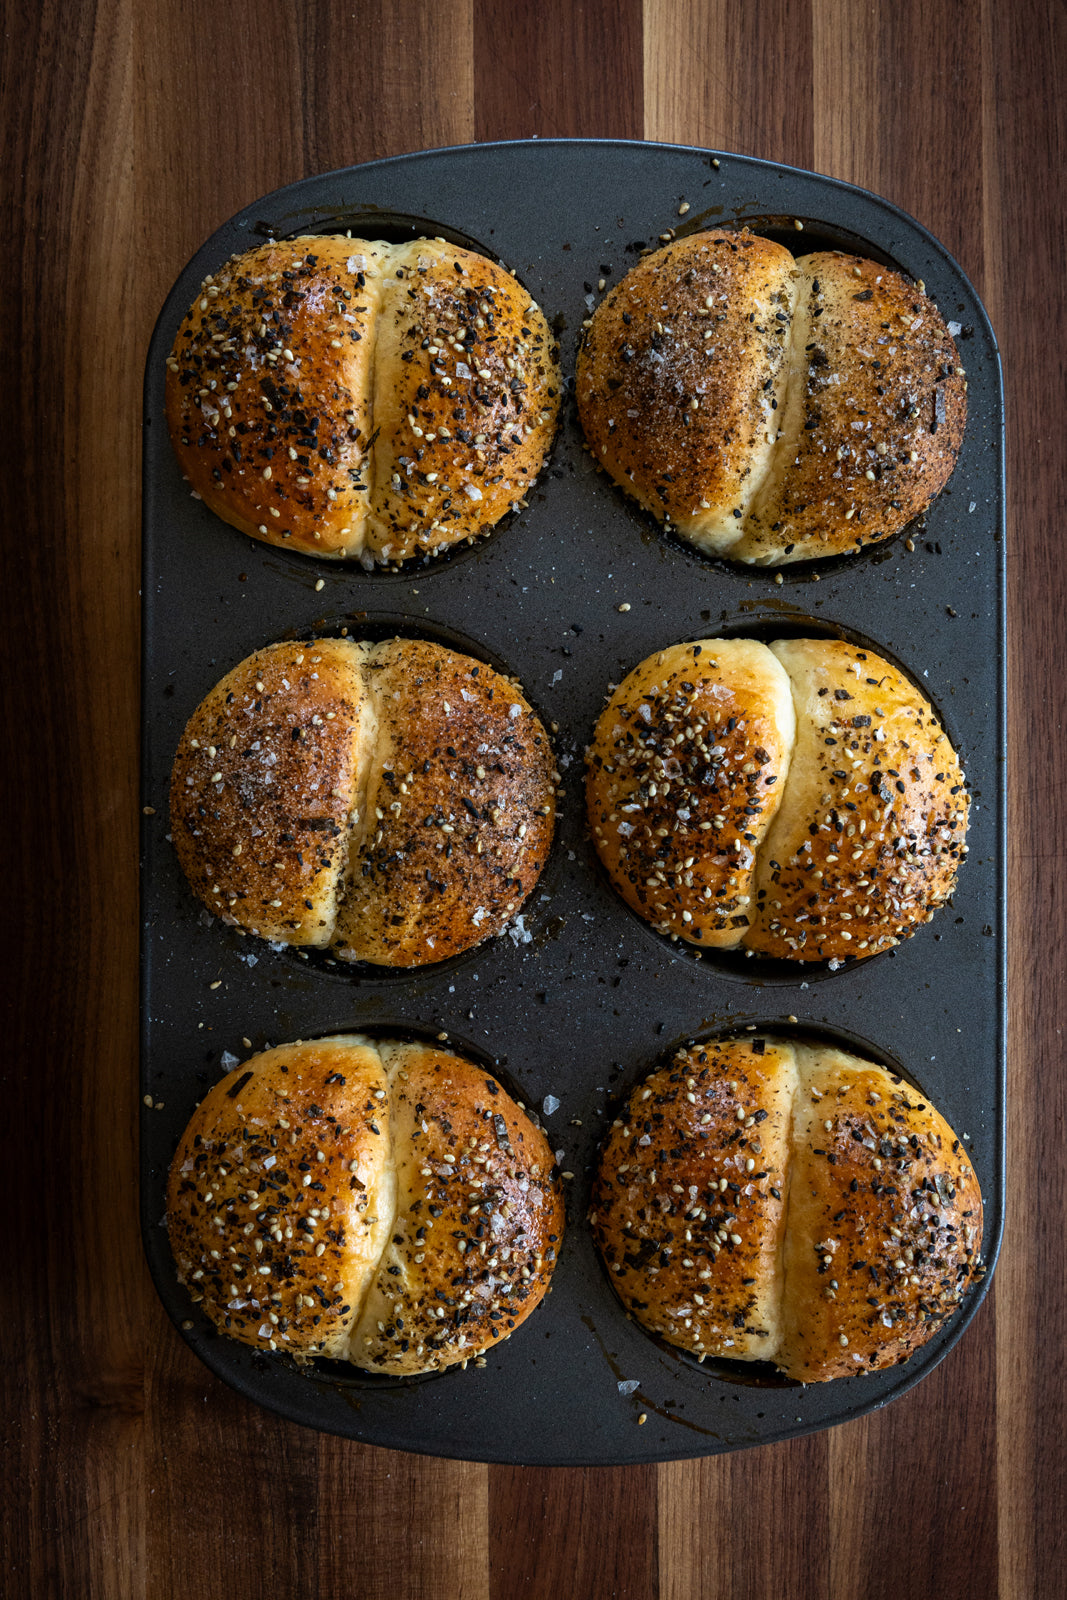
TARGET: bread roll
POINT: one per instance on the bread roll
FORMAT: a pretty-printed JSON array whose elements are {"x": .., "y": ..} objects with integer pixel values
[
  {"x": 378, "y": 1202},
  {"x": 685, "y": 774},
  {"x": 870, "y": 832},
  {"x": 347, "y": 397},
  {"x": 394, "y": 801},
  {"x": 770, "y": 409},
  {"x": 810, "y": 813},
  {"x": 768, "y": 1201}
]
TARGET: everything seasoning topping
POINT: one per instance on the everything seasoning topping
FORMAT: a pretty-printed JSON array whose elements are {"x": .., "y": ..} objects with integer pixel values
[
  {"x": 832, "y": 1234},
  {"x": 260, "y": 1208},
  {"x": 285, "y": 1227},
  {"x": 681, "y": 788},
  {"x": 771, "y": 409},
  {"x": 287, "y": 823},
  {"x": 880, "y": 852},
  {"x": 480, "y": 1207},
  {"x": 857, "y": 846},
  {"x": 686, "y": 1207},
  {"x": 271, "y": 396}
]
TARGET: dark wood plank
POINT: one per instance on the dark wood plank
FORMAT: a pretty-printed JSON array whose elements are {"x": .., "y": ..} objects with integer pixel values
[
  {"x": 236, "y": 1487},
  {"x": 401, "y": 1525},
  {"x": 564, "y": 1531},
  {"x": 551, "y": 69},
  {"x": 898, "y": 91},
  {"x": 926, "y": 1464},
  {"x": 73, "y": 1356},
  {"x": 1025, "y": 125},
  {"x": 377, "y": 79}
]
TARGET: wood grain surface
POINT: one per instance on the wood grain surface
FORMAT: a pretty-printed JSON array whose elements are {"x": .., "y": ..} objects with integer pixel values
[{"x": 132, "y": 128}]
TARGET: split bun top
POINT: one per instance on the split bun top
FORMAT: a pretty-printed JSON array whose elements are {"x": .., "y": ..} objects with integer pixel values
[
  {"x": 799, "y": 799},
  {"x": 375, "y": 1201},
  {"x": 765, "y": 1200},
  {"x": 393, "y": 801},
  {"x": 347, "y": 397},
  {"x": 770, "y": 409}
]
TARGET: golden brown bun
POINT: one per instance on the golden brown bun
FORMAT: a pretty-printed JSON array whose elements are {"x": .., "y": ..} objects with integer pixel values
[
  {"x": 685, "y": 773},
  {"x": 687, "y": 1204},
  {"x": 871, "y": 1273},
  {"x": 761, "y": 1200},
  {"x": 833, "y": 832},
  {"x": 265, "y": 780},
  {"x": 299, "y": 1209},
  {"x": 347, "y": 397},
  {"x": 871, "y": 828},
  {"x": 874, "y": 419},
  {"x": 285, "y": 1155},
  {"x": 478, "y": 1223},
  {"x": 676, "y": 383},
  {"x": 771, "y": 410},
  {"x": 394, "y": 800},
  {"x": 459, "y": 811}
]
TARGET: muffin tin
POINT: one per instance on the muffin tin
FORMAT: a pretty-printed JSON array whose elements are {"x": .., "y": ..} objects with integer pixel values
[{"x": 580, "y": 997}]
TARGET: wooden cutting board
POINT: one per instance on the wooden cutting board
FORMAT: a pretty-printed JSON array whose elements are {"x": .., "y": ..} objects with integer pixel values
[{"x": 132, "y": 129}]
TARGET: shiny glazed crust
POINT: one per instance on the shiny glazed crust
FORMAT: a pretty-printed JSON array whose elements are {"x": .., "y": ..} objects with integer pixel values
[
  {"x": 479, "y": 1217},
  {"x": 871, "y": 829},
  {"x": 459, "y": 811},
  {"x": 350, "y": 398},
  {"x": 394, "y": 800},
  {"x": 809, "y": 814},
  {"x": 264, "y": 784},
  {"x": 685, "y": 773},
  {"x": 759, "y": 1200},
  {"x": 874, "y": 419},
  {"x": 872, "y": 1272},
  {"x": 677, "y": 387},
  {"x": 299, "y": 1209},
  {"x": 285, "y": 1155},
  {"x": 688, "y": 1200},
  {"x": 771, "y": 410}
]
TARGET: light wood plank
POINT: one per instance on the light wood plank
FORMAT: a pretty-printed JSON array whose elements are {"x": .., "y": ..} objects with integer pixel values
[
  {"x": 755, "y": 1523},
  {"x": 730, "y": 77}
]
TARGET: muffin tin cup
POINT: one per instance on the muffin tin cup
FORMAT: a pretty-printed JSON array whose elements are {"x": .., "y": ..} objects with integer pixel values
[{"x": 579, "y": 999}]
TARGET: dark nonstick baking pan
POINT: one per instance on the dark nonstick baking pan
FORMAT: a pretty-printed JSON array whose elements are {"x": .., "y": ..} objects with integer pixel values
[{"x": 580, "y": 997}]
